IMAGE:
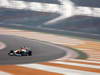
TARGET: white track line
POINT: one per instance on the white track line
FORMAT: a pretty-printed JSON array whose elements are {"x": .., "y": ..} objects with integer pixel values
[
  {"x": 75, "y": 64},
  {"x": 84, "y": 61},
  {"x": 4, "y": 73},
  {"x": 58, "y": 69}
]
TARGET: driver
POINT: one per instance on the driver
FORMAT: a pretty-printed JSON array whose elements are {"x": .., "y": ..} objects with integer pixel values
[{"x": 24, "y": 49}]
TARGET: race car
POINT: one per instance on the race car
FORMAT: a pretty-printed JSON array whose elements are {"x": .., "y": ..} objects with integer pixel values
[{"x": 20, "y": 52}]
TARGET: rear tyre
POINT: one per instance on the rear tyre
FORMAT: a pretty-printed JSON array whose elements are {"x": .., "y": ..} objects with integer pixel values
[{"x": 30, "y": 53}]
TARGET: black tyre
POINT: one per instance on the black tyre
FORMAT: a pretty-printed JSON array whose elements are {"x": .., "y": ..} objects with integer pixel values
[
  {"x": 29, "y": 53},
  {"x": 11, "y": 53}
]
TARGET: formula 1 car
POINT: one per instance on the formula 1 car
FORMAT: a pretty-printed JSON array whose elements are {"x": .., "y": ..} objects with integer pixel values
[{"x": 20, "y": 52}]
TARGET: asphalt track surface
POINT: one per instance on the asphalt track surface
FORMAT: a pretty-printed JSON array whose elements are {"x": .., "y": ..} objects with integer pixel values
[{"x": 40, "y": 51}]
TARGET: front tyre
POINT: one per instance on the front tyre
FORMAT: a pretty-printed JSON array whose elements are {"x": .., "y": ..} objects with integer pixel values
[{"x": 11, "y": 54}]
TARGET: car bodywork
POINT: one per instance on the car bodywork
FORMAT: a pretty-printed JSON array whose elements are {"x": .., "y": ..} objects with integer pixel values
[{"x": 20, "y": 53}]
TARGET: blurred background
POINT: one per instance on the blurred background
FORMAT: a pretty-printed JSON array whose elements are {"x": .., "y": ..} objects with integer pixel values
[{"x": 77, "y": 17}]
